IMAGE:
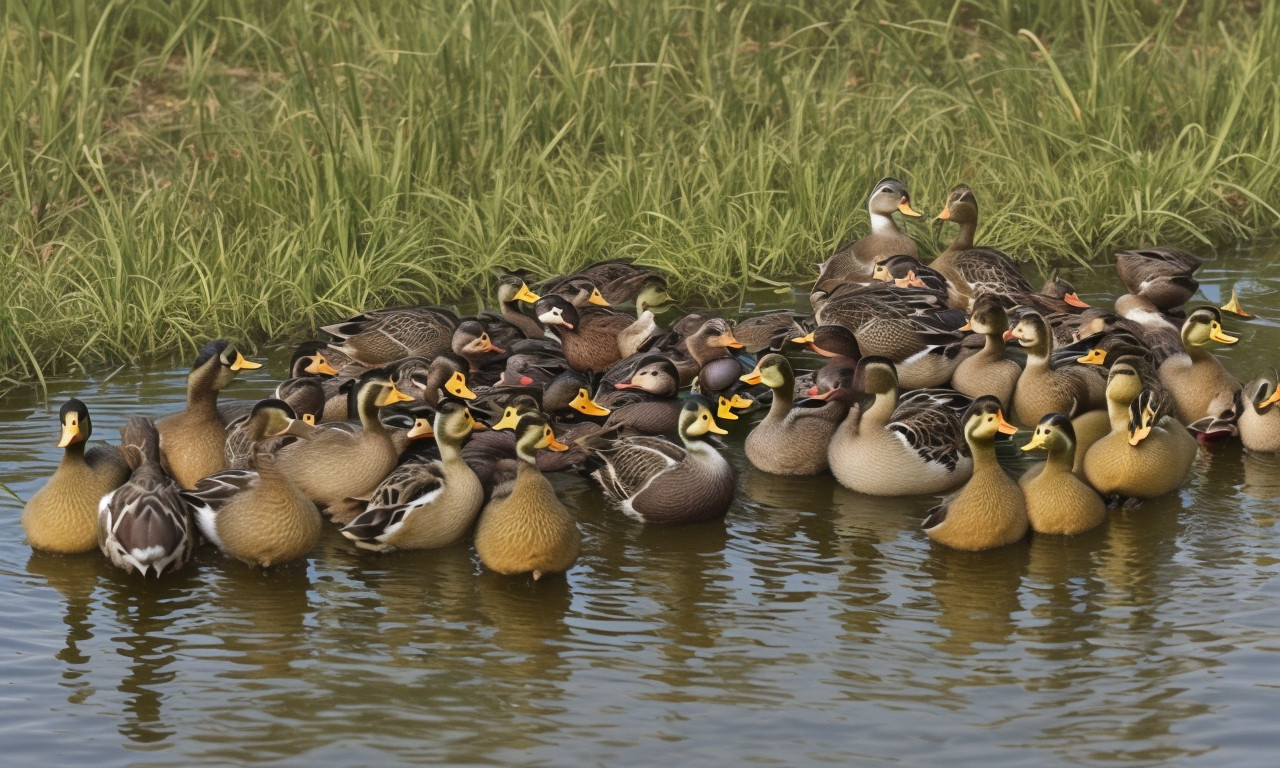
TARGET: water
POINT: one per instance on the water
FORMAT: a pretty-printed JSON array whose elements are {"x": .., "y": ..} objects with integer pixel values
[{"x": 812, "y": 626}]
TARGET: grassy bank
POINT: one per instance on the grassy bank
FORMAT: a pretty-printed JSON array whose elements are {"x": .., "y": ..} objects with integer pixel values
[{"x": 253, "y": 169}]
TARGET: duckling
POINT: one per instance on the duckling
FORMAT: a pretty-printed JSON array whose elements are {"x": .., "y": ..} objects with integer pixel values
[
  {"x": 989, "y": 372},
  {"x": 193, "y": 442},
  {"x": 593, "y": 339},
  {"x": 989, "y": 511},
  {"x": 790, "y": 440},
  {"x": 893, "y": 448},
  {"x": 340, "y": 459},
  {"x": 425, "y": 505},
  {"x": 854, "y": 261},
  {"x": 63, "y": 515},
  {"x": 145, "y": 525},
  {"x": 1057, "y": 500},
  {"x": 382, "y": 336},
  {"x": 1045, "y": 388},
  {"x": 524, "y": 528},
  {"x": 257, "y": 515},
  {"x": 1154, "y": 460},
  {"x": 654, "y": 480},
  {"x": 1259, "y": 420},
  {"x": 1201, "y": 387}
]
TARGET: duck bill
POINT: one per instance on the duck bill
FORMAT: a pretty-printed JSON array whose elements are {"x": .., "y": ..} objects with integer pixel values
[
  {"x": 584, "y": 404},
  {"x": 1008, "y": 336},
  {"x": 715, "y": 428},
  {"x": 905, "y": 209},
  {"x": 487, "y": 345},
  {"x": 1074, "y": 300},
  {"x": 1004, "y": 427},
  {"x": 556, "y": 445},
  {"x": 1234, "y": 307},
  {"x": 320, "y": 366},
  {"x": 946, "y": 213},
  {"x": 753, "y": 378},
  {"x": 421, "y": 429},
  {"x": 967, "y": 326},
  {"x": 526, "y": 295},
  {"x": 723, "y": 410},
  {"x": 1272, "y": 400},
  {"x": 1139, "y": 434},
  {"x": 1093, "y": 357},
  {"x": 395, "y": 395},
  {"x": 309, "y": 418},
  {"x": 597, "y": 299},
  {"x": 1222, "y": 337},
  {"x": 1036, "y": 441},
  {"x": 510, "y": 418},
  {"x": 727, "y": 340},
  {"x": 457, "y": 386},
  {"x": 804, "y": 340},
  {"x": 241, "y": 364},
  {"x": 738, "y": 401},
  {"x": 70, "y": 434}
]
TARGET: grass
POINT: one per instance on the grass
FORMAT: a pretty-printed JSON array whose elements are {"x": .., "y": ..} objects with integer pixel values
[{"x": 179, "y": 171}]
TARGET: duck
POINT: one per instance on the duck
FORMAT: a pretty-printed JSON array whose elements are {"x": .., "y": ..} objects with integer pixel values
[
  {"x": 593, "y": 338},
  {"x": 193, "y": 441},
  {"x": 427, "y": 381},
  {"x": 145, "y": 526},
  {"x": 1045, "y": 387},
  {"x": 1149, "y": 460},
  {"x": 524, "y": 527},
  {"x": 768, "y": 331},
  {"x": 305, "y": 396},
  {"x": 381, "y": 336},
  {"x": 1057, "y": 500},
  {"x": 425, "y": 505},
  {"x": 989, "y": 511},
  {"x": 617, "y": 281},
  {"x": 512, "y": 292},
  {"x": 1259, "y": 422},
  {"x": 257, "y": 516},
  {"x": 1203, "y": 391},
  {"x": 339, "y": 459},
  {"x": 654, "y": 480},
  {"x": 1161, "y": 274},
  {"x": 790, "y": 439},
  {"x": 62, "y": 516},
  {"x": 854, "y": 261},
  {"x": 989, "y": 371},
  {"x": 975, "y": 270},
  {"x": 310, "y": 359},
  {"x": 893, "y": 447},
  {"x": 471, "y": 342}
]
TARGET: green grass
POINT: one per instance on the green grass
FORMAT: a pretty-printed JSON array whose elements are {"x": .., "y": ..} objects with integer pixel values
[{"x": 174, "y": 172}]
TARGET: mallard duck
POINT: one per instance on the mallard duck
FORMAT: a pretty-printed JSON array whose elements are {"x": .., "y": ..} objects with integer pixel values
[
  {"x": 428, "y": 380},
  {"x": 304, "y": 395},
  {"x": 593, "y": 339},
  {"x": 424, "y": 505},
  {"x": 257, "y": 515},
  {"x": 512, "y": 292},
  {"x": 898, "y": 448},
  {"x": 1150, "y": 460},
  {"x": 472, "y": 343},
  {"x": 1057, "y": 500},
  {"x": 1160, "y": 274},
  {"x": 854, "y": 261},
  {"x": 989, "y": 372},
  {"x": 971, "y": 270},
  {"x": 647, "y": 402},
  {"x": 145, "y": 525},
  {"x": 524, "y": 528},
  {"x": 1202, "y": 389},
  {"x": 768, "y": 331},
  {"x": 311, "y": 359},
  {"x": 1259, "y": 417},
  {"x": 989, "y": 511},
  {"x": 340, "y": 459},
  {"x": 382, "y": 336},
  {"x": 63, "y": 515},
  {"x": 192, "y": 442},
  {"x": 790, "y": 439},
  {"x": 1046, "y": 387},
  {"x": 654, "y": 480}
]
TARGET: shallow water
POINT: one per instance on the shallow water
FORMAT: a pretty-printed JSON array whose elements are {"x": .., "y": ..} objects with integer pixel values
[{"x": 811, "y": 626}]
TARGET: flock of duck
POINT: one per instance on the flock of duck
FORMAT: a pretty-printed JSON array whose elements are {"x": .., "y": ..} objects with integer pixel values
[{"x": 382, "y": 428}]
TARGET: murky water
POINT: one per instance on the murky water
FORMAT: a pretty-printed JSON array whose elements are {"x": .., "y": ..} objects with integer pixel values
[{"x": 812, "y": 626}]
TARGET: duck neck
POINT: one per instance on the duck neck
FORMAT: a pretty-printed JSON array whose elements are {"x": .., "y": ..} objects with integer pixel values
[
  {"x": 527, "y": 325},
  {"x": 450, "y": 450},
  {"x": 995, "y": 346},
  {"x": 783, "y": 398},
  {"x": 369, "y": 416},
  {"x": 984, "y": 454},
  {"x": 202, "y": 392},
  {"x": 964, "y": 238},
  {"x": 1038, "y": 355},
  {"x": 881, "y": 410},
  {"x": 1118, "y": 413},
  {"x": 883, "y": 224},
  {"x": 73, "y": 455},
  {"x": 1060, "y": 460}
]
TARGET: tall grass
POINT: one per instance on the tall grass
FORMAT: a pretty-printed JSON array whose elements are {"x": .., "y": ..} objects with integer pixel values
[{"x": 173, "y": 172}]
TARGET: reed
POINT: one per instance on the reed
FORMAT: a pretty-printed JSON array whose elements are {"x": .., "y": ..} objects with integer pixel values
[{"x": 175, "y": 172}]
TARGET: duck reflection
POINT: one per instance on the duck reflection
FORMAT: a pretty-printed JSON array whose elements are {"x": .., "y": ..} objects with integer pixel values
[
  {"x": 977, "y": 594},
  {"x": 145, "y": 611},
  {"x": 74, "y": 577},
  {"x": 259, "y": 616},
  {"x": 1262, "y": 475}
]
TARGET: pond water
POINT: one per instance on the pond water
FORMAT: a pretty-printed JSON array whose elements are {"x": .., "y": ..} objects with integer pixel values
[{"x": 812, "y": 626}]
